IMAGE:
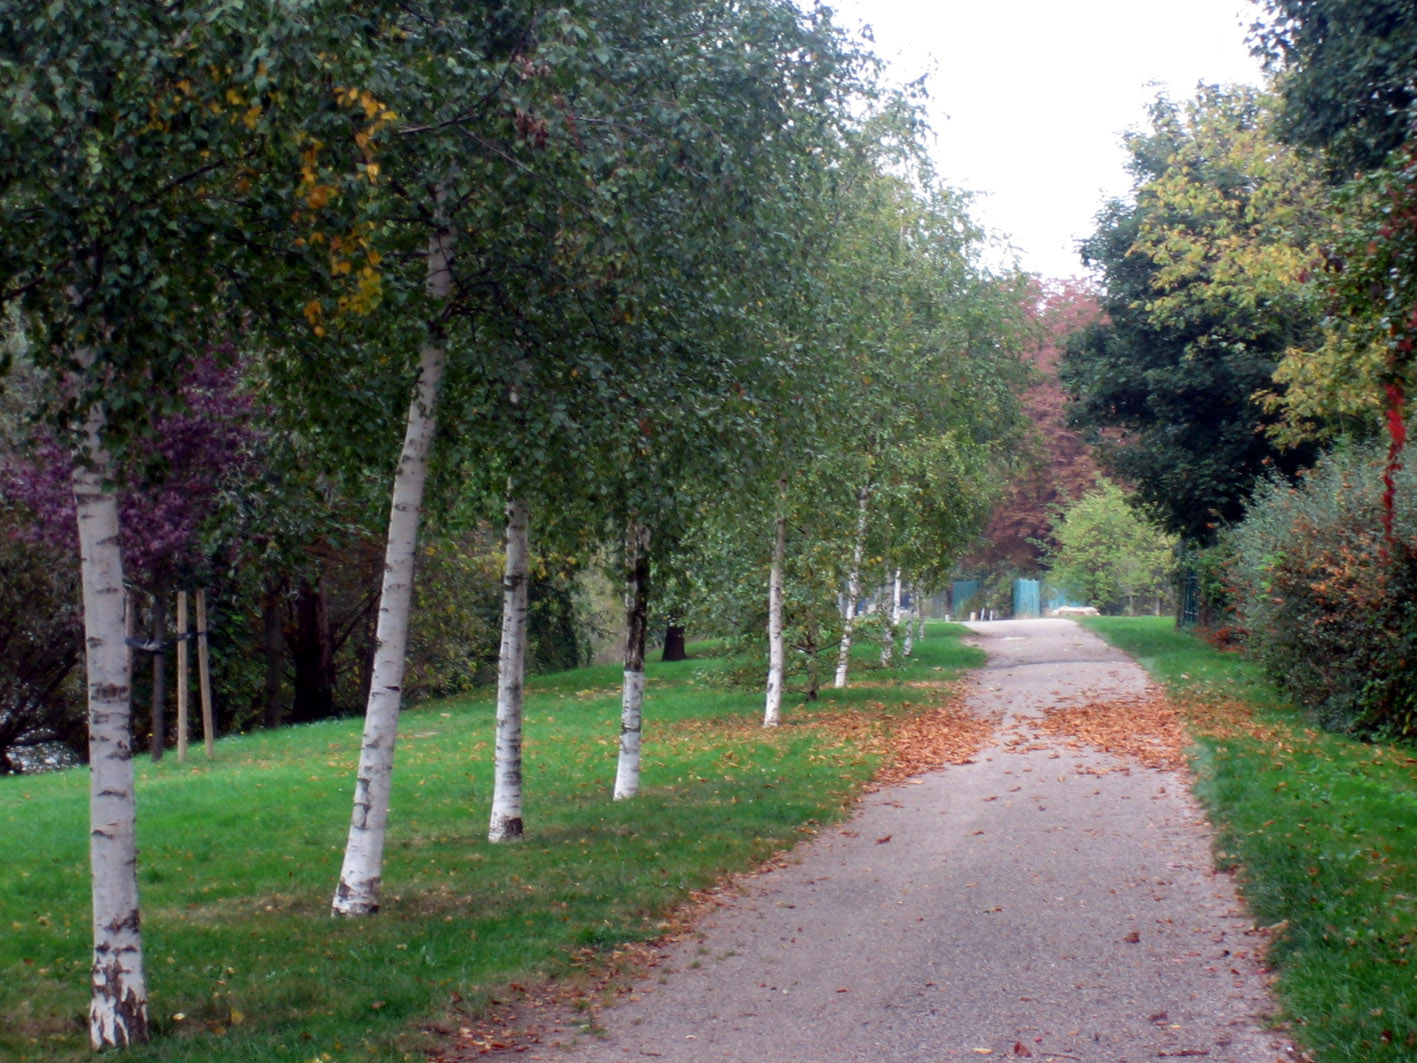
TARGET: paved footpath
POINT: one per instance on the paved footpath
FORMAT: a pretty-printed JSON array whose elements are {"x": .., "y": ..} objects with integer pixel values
[{"x": 1019, "y": 906}]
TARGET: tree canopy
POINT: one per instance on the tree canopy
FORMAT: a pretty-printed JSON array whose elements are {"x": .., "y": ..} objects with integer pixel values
[{"x": 1201, "y": 302}]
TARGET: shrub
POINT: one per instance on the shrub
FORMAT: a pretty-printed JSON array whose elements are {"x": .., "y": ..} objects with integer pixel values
[{"x": 1329, "y": 607}]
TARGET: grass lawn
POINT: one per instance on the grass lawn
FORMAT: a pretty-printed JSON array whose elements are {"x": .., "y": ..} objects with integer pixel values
[
  {"x": 239, "y": 858},
  {"x": 1323, "y": 832}
]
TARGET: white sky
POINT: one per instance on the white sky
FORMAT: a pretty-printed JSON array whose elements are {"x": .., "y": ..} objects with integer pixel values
[{"x": 1029, "y": 97}]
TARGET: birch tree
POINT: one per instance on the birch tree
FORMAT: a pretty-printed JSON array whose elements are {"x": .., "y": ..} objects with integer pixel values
[
  {"x": 130, "y": 134},
  {"x": 358, "y": 889},
  {"x": 506, "y": 822},
  {"x": 917, "y": 343},
  {"x": 632, "y": 695},
  {"x": 633, "y": 362},
  {"x": 777, "y": 652},
  {"x": 118, "y": 1008},
  {"x": 853, "y": 586}
]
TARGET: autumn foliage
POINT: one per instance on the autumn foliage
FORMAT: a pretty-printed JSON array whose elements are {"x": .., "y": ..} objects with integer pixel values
[
  {"x": 1060, "y": 466},
  {"x": 1327, "y": 601}
]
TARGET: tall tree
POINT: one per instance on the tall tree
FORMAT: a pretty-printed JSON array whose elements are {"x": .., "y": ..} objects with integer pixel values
[
  {"x": 129, "y": 132},
  {"x": 1167, "y": 382},
  {"x": 1056, "y": 465},
  {"x": 1345, "y": 74}
]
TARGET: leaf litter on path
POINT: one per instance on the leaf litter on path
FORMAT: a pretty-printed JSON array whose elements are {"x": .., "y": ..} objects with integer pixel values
[
  {"x": 1146, "y": 727},
  {"x": 922, "y": 740}
]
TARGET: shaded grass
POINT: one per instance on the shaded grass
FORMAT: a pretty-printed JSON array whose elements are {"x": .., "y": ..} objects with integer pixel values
[
  {"x": 239, "y": 858},
  {"x": 1321, "y": 829}
]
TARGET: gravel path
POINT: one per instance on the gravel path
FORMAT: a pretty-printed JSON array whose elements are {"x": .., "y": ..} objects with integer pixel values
[{"x": 1040, "y": 903}]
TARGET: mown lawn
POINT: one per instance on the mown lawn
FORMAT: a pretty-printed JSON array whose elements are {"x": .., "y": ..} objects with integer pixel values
[
  {"x": 239, "y": 857},
  {"x": 1323, "y": 833}
]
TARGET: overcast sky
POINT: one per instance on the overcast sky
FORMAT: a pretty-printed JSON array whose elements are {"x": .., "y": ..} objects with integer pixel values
[{"x": 1029, "y": 97}]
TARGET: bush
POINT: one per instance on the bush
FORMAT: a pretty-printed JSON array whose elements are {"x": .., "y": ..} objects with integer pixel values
[
  {"x": 41, "y": 697},
  {"x": 1329, "y": 608}
]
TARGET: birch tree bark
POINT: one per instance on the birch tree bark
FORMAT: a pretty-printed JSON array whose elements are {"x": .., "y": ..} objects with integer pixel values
[
  {"x": 908, "y": 646},
  {"x": 892, "y": 619},
  {"x": 777, "y": 652},
  {"x": 853, "y": 587},
  {"x": 506, "y": 824},
  {"x": 118, "y": 1006},
  {"x": 632, "y": 693},
  {"x": 362, "y": 871}
]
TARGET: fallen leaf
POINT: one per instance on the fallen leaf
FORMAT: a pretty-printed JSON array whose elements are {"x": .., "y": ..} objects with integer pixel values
[
  {"x": 1132, "y": 938},
  {"x": 882, "y": 841}
]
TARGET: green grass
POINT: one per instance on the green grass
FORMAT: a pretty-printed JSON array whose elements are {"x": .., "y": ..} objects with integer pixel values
[
  {"x": 1323, "y": 832},
  {"x": 239, "y": 858}
]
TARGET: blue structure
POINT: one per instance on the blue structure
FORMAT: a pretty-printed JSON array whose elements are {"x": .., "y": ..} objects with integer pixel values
[
  {"x": 961, "y": 592},
  {"x": 1028, "y": 598}
]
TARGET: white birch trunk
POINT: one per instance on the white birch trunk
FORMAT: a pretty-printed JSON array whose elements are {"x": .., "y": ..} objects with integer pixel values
[
  {"x": 632, "y": 692},
  {"x": 919, "y": 621},
  {"x": 363, "y": 868},
  {"x": 777, "y": 651},
  {"x": 892, "y": 619},
  {"x": 506, "y": 824},
  {"x": 853, "y": 589},
  {"x": 118, "y": 1007},
  {"x": 908, "y": 646}
]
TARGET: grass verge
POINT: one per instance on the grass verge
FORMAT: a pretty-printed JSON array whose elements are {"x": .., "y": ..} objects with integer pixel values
[
  {"x": 1321, "y": 830},
  {"x": 240, "y": 855}
]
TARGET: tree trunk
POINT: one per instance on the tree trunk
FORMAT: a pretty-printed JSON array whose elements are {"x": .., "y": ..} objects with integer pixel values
[
  {"x": 814, "y": 679},
  {"x": 853, "y": 587},
  {"x": 919, "y": 620},
  {"x": 272, "y": 711},
  {"x": 159, "y": 637},
  {"x": 118, "y": 1008},
  {"x": 675, "y": 647},
  {"x": 772, "y": 709},
  {"x": 313, "y": 654},
  {"x": 892, "y": 619},
  {"x": 506, "y": 824},
  {"x": 363, "y": 868},
  {"x": 908, "y": 646},
  {"x": 632, "y": 692}
]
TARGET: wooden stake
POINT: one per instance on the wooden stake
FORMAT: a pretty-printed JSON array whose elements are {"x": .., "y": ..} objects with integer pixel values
[
  {"x": 204, "y": 675},
  {"x": 181, "y": 676}
]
